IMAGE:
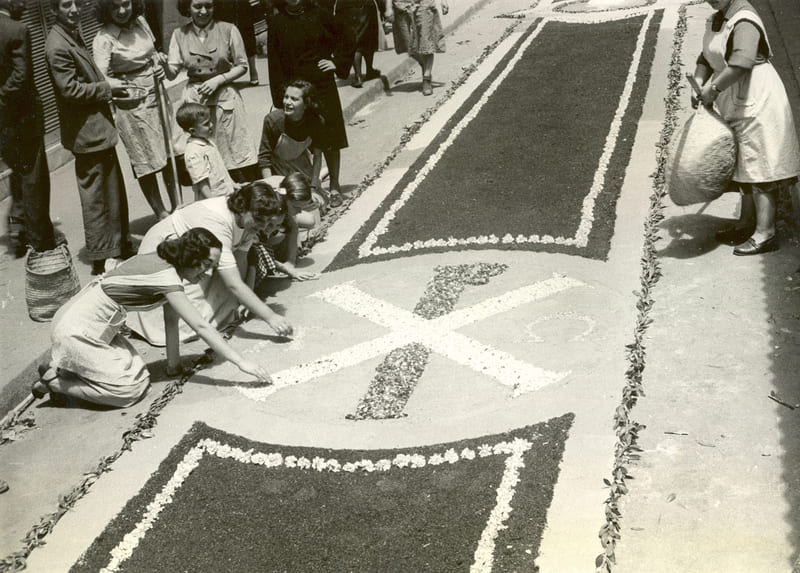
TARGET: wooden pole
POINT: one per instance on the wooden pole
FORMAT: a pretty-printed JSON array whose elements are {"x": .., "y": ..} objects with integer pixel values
[{"x": 161, "y": 98}]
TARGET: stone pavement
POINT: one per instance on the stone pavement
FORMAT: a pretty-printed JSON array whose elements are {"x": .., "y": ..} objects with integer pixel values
[{"x": 715, "y": 489}]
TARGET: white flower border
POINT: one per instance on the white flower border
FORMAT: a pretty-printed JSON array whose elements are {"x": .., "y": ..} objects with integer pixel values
[
  {"x": 484, "y": 555},
  {"x": 581, "y": 238}
]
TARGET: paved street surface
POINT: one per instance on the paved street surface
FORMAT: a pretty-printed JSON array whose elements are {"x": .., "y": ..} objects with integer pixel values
[{"x": 556, "y": 331}]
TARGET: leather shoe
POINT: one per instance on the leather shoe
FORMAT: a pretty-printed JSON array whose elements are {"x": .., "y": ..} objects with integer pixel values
[
  {"x": 734, "y": 235},
  {"x": 751, "y": 247}
]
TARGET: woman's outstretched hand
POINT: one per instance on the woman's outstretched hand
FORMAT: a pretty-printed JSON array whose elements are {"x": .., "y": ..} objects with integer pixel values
[
  {"x": 280, "y": 325},
  {"x": 254, "y": 369}
]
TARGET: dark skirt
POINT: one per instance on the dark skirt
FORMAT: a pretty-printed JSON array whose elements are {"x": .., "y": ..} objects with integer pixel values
[
  {"x": 330, "y": 107},
  {"x": 358, "y": 21}
]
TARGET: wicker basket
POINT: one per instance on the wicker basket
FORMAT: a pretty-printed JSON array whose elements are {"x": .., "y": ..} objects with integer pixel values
[
  {"x": 702, "y": 159},
  {"x": 50, "y": 281}
]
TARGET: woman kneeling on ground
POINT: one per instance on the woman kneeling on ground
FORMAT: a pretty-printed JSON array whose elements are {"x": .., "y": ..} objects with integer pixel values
[
  {"x": 235, "y": 220},
  {"x": 92, "y": 361}
]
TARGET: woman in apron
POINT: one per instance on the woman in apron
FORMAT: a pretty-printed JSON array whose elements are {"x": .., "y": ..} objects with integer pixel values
[
  {"x": 92, "y": 361},
  {"x": 124, "y": 51},
  {"x": 213, "y": 55},
  {"x": 235, "y": 220},
  {"x": 292, "y": 138},
  {"x": 745, "y": 89}
]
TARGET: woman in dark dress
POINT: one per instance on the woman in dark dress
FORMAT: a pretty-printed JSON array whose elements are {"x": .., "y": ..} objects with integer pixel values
[
  {"x": 300, "y": 45},
  {"x": 358, "y": 21}
]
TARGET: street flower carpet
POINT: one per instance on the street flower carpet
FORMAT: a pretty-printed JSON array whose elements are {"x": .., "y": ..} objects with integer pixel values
[{"x": 533, "y": 160}]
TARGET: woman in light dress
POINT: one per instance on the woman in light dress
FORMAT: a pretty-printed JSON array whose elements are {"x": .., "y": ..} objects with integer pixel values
[
  {"x": 124, "y": 51},
  {"x": 740, "y": 82},
  {"x": 93, "y": 361},
  {"x": 213, "y": 55},
  {"x": 235, "y": 220}
]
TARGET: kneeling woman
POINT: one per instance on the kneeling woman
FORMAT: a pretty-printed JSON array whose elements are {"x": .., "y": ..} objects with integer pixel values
[{"x": 92, "y": 361}]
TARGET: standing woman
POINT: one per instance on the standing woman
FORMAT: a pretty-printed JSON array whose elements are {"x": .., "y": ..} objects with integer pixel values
[
  {"x": 740, "y": 82},
  {"x": 358, "y": 21},
  {"x": 87, "y": 130},
  {"x": 93, "y": 361},
  {"x": 213, "y": 54},
  {"x": 417, "y": 30},
  {"x": 124, "y": 50},
  {"x": 300, "y": 45}
]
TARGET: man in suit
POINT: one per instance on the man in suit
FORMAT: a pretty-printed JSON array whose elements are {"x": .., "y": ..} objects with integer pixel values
[
  {"x": 22, "y": 135},
  {"x": 87, "y": 129}
]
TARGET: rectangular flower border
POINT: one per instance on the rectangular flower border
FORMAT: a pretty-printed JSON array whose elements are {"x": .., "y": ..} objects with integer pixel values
[
  {"x": 608, "y": 175},
  {"x": 543, "y": 442}
]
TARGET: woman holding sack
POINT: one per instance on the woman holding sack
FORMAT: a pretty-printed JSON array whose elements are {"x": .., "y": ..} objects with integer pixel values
[
  {"x": 124, "y": 50},
  {"x": 92, "y": 361},
  {"x": 739, "y": 81},
  {"x": 213, "y": 55}
]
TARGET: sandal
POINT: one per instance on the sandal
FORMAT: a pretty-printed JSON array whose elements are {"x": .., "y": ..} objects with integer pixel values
[{"x": 335, "y": 198}]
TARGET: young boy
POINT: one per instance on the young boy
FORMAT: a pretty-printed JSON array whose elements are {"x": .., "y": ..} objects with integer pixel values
[{"x": 204, "y": 163}]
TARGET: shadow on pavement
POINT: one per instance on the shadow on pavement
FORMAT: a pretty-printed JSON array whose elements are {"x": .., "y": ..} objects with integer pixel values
[
  {"x": 691, "y": 235},
  {"x": 781, "y": 289}
]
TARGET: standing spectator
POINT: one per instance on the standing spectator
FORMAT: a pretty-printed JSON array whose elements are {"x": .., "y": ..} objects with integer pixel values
[
  {"x": 358, "y": 23},
  {"x": 739, "y": 81},
  {"x": 22, "y": 135},
  {"x": 203, "y": 162},
  {"x": 241, "y": 14},
  {"x": 213, "y": 55},
  {"x": 417, "y": 29},
  {"x": 300, "y": 45},
  {"x": 124, "y": 50},
  {"x": 87, "y": 129}
]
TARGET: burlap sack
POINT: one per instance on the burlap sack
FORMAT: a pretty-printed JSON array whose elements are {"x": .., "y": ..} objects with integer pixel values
[{"x": 702, "y": 159}]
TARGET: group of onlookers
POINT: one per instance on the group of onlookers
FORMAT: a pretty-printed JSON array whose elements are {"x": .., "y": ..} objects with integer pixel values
[
  {"x": 200, "y": 262},
  {"x": 309, "y": 43}
]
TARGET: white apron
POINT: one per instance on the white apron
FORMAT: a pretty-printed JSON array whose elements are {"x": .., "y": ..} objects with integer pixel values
[
  {"x": 91, "y": 356},
  {"x": 757, "y": 109}
]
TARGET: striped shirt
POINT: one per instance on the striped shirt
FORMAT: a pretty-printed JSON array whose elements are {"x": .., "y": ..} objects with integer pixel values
[{"x": 141, "y": 282}]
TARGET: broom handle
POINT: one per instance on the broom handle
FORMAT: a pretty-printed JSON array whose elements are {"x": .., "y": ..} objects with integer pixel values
[{"x": 167, "y": 130}]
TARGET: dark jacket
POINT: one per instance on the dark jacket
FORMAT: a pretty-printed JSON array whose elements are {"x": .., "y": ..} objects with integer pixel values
[
  {"x": 82, "y": 94},
  {"x": 20, "y": 106}
]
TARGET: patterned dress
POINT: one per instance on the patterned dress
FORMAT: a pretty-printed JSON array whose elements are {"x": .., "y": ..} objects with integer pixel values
[{"x": 417, "y": 27}]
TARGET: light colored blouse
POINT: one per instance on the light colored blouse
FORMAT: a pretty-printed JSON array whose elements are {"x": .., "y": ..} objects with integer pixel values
[
  {"x": 119, "y": 51},
  {"x": 236, "y": 54}
]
